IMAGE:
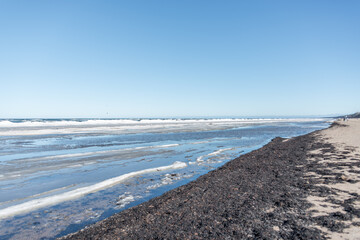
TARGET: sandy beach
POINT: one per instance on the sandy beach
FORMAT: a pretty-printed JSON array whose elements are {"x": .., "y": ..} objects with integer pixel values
[
  {"x": 300, "y": 188},
  {"x": 338, "y": 168}
]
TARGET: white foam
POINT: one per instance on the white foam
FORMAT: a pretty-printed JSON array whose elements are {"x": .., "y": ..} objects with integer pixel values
[
  {"x": 34, "y": 123},
  {"x": 95, "y": 122},
  {"x": 77, "y": 193},
  {"x": 8, "y": 128}
]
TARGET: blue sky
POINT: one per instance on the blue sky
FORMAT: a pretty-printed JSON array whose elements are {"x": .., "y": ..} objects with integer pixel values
[{"x": 178, "y": 58}]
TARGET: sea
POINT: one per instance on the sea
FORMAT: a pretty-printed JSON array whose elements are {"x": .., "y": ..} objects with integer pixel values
[{"x": 58, "y": 176}]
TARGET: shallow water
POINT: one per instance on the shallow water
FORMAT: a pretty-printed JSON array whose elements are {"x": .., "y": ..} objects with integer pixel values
[{"x": 58, "y": 176}]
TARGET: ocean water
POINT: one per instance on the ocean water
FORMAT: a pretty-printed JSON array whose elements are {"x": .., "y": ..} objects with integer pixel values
[{"x": 59, "y": 175}]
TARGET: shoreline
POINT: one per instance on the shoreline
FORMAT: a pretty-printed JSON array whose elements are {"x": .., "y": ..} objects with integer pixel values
[{"x": 267, "y": 193}]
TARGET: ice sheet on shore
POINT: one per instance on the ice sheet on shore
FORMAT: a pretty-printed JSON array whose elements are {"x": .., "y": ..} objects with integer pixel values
[
  {"x": 16, "y": 168},
  {"x": 114, "y": 151},
  {"x": 77, "y": 193}
]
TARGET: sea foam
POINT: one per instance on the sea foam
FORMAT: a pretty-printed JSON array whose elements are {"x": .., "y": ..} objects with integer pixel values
[{"x": 116, "y": 126}]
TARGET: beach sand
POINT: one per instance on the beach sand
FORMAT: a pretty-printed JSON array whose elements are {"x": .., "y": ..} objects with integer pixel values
[
  {"x": 301, "y": 188},
  {"x": 339, "y": 172}
]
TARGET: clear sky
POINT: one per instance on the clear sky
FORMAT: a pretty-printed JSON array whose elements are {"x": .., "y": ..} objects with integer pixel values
[{"x": 178, "y": 58}]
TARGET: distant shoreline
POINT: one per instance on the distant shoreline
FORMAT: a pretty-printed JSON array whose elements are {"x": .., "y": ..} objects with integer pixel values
[
  {"x": 268, "y": 193},
  {"x": 82, "y": 119}
]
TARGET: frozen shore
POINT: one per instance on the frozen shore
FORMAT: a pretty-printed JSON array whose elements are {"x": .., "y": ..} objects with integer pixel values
[{"x": 303, "y": 187}]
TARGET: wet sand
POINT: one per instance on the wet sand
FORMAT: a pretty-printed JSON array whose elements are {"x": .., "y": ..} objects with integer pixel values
[{"x": 301, "y": 188}]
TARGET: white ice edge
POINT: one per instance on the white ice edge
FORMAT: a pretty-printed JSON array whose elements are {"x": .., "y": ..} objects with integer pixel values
[
  {"x": 219, "y": 151},
  {"x": 200, "y": 159},
  {"x": 125, "y": 201},
  {"x": 77, "y": 193}
]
